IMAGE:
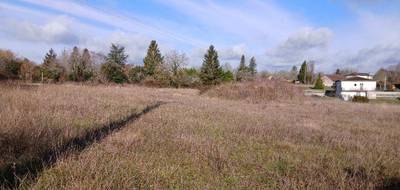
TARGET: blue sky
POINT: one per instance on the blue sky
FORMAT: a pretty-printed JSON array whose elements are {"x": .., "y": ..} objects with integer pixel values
[{"x": 361, "y": 34}]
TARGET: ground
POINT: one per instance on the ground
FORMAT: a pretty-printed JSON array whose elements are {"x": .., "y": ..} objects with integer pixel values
[{"x": 200, "y": 142}]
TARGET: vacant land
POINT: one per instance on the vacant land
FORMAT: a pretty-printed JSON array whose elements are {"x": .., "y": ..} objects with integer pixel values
[
  {"x": 208, "y": 142},
  {"x": 37, "y": 119}
]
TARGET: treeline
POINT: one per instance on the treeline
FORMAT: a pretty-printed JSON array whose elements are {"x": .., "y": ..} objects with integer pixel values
[{"x": 157, "y": 70}]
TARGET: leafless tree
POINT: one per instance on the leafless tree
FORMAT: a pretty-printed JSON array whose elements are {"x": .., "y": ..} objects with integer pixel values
[{"x": 175, "y": 61}]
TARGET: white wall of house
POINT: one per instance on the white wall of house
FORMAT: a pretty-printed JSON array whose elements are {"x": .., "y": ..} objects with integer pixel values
[
  {"x": 348, "y": 89},
  {"x": 358, "y": 85}
]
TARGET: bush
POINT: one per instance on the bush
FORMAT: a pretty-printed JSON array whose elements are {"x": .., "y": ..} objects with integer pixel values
[
  {"x": 257, "y": 91},
  {"x": 13, "y": 68},
  {"x": 113, "y": 73},
  {"x": 361, "y": 99},
  {"x": 136, "y": 74},
  {"x": 319, "y": 84},
  {"x": 227, "y": 76}
]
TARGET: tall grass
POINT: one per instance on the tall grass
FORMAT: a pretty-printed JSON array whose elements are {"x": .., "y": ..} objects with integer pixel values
[
  {"x": 196, "y": 142},
  {"x": 36, "y": 119}
]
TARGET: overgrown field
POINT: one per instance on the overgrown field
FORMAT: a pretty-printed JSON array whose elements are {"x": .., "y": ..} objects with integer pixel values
[
  {"x": 207, "y": 142},
  {"x": 37, "y": 119}
]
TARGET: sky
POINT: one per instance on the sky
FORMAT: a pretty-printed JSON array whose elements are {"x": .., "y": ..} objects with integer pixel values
[{"x": 356, "y": 34}]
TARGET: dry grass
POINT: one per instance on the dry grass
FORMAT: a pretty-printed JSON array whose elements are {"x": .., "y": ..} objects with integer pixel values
[
  {"x": 196, "y": 142},
  {"x": 34, "y": 119},
  {"x": 258, "y": 91}
]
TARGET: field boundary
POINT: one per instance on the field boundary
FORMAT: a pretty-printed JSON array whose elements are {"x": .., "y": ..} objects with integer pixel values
[{"x": 12, "y": 175}]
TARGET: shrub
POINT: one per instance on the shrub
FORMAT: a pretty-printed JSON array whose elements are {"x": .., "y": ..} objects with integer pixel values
[
  {"x": 319, "y": 84},
  {"x": 227, "y": 76},
  {"x": 113, "y": 72},
  {"x": 136, "y": 74},
  {"x": 361, "y": 99},
  {"x": 13, "y": 68},
  {"x": 257, "y": 91}
]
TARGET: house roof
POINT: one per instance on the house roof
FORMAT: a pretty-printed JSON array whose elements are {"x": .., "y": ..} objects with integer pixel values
[
  {"x": 358, "y": 74},
  {"x": 335, "y": 77},
  {"x": 356, "y": 79}
]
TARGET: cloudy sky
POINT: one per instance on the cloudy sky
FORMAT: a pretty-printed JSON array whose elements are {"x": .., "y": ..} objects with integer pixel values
[{"x": 361, "y": 34}]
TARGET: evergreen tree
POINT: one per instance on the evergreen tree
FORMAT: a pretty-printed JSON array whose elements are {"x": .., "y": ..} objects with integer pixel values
[
  {"x": 211, "y": 71},
  {"x": 86, "y": 64},
  {"x": 74, "y": 62},
  {"x": 319, "y": 84},
  {"x": 113, "y": 69},
  {"x": 117, "y": 55},
  {"x": 253, "y": 66},
  {"x": 153, "y": 59},
  {"x": 50, "y": 59},
  {"x": 302, "y": 73},
  {"x": 51, "y": 69},
  {"x": 242, "y": 65}
]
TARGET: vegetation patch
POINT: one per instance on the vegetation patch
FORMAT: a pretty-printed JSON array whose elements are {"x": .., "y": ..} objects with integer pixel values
[{"x": 258, "y": 91}]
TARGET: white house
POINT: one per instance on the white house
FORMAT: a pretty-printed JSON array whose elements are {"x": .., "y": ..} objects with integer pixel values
[{"x": 349, "y": 87}]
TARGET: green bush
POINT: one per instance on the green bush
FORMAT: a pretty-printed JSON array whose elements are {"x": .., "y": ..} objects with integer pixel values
[
  {"x": 13, "y": 68},
  {"x": 361, "y": 99},
  {"x": 136, "y": 74},
  {"x": 113, "y": 72},
  {"x": 227, "y": 76},
  {"x": 319, "y": 84}
]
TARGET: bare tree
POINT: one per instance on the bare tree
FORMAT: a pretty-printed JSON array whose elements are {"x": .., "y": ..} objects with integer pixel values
[{"x": 175, "y": 62}]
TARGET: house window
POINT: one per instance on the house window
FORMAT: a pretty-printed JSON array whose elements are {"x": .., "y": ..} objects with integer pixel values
[{"x": 355, "y": 84}]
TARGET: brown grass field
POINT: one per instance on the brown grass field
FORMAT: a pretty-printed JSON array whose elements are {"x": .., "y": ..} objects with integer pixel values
[{"x": 256, "y": 135}]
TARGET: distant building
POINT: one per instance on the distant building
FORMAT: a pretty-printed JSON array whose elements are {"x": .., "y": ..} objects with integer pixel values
[
  {"x": 359, "y": 84},
  {"x": 329, "y": 80}
]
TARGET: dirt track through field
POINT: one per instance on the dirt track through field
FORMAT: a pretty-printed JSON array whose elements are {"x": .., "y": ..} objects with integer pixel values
[{"x": 12, "y": 175}]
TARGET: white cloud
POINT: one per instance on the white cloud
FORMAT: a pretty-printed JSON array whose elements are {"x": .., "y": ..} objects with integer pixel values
[
  {"x": 58, "y": 30},
  {"x": 127, "y": 23},
  {"x": 307, "y": 44}
]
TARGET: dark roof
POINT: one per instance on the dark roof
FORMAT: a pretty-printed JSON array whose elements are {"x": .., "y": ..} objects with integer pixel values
[
  {"x": 335, "y": 77},
  {"x": 356, "y": 79},
  {"x": 360, "y": 74}
]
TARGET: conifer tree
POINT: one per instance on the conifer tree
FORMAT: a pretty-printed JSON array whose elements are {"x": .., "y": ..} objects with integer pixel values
[
  {"x": 50, "y": 59},
  {"x": 51, "y": 69},
  {"x": 113, "y": 69},
  {"x": 86, "y": 64},
  {"x": 74, "y": 62},
  {"x": 302, "y": 73},
  {"x": 153, "y": 59},
  {"x": 253, "y": 66},
  {"x": 242, "y": 65},
  {"x": 211, "y": 71},
  {"x": 117, "y": 55},
  {"x": 319, "y": 84}
]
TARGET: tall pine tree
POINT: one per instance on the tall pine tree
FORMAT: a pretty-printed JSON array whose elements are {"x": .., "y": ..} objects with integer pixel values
[
  {"x": 242, "y": 65},
  {"x": 74, "y": 62},
  {"x": 50, "y": 59},
  {"x": 302, "y": 73},
  {"x": 253, "y": 66},
  {"x": 113, "y": 69},
  {"x": 51, "y": 69},
  {"x": 211, "y": 71},
  {"x": 153, "y": 59},
  {"x": 117, "y": 55}
]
